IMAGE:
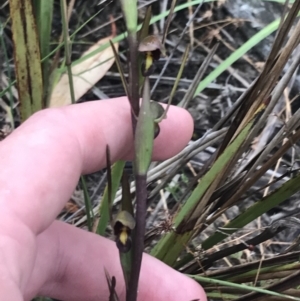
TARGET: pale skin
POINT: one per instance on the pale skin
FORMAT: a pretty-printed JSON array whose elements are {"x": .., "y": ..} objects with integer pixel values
[{"x": 41, "y": 162}]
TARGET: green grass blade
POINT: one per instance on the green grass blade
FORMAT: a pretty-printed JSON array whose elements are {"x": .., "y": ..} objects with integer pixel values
[
  {"x": 189, "y": 95},
  {"x": 88, "y": 204},
  {"x": 170, "y": 246},
  {"x": 178, "y": 77},
  {"x": 116, "y": 175},
  {"x": 263, "y": 270},
  {"x": 274, "y": 199},
  {"x": 126, "y": 263},
  {"x": 130, "y": 11},
  {"x": 68, "y": 45},
  {"x": 43, "y": 13},
  {"x": 202, "y": 279},
  {"x": 258, "y": 37},
  {"x": 71, "y": 36}
]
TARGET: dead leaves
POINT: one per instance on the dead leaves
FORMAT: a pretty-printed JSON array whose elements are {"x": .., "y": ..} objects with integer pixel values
[{"x": 85, "y": 74}]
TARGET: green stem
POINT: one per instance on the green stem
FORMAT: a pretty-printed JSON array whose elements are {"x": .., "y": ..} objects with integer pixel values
[
  {"x": 68, "y": 53},
  {"x": 134, "y": 96},
  {"x": 63, "y": 6},
  {"x": 88, "y": 204}
]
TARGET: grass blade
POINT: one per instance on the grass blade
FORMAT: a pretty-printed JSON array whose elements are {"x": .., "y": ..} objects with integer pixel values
[
  {"x": 192, "y": 88},
  {"x": 202, "y": 279},
  {"x": 262, "y": 34},
  {"x": 171, "y": 245},
  {"x": 44, "y": 12},
  {"x": 274, "y": 199},
  {"x": 116, "y": 174},
  {"x": 27, "y": 57},
  {"x": 88, "y": 204}
]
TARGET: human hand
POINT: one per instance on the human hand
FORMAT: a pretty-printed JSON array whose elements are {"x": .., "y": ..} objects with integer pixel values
[{"x": 41, "y": 162}]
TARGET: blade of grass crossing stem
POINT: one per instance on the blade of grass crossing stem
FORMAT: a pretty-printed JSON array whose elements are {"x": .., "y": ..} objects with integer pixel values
[
  {"x": 116, "y": 175},
  {"x": 274, "y": 199},
  {"x": 27, "y": 57},
  {"x": 44, "y": 12},
  {"x": 171, "y": 245},
  {"x": 143, "y": 144},
  {"x": 202, "y": 279}
]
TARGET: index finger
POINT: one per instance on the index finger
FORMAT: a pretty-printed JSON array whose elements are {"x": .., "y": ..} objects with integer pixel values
[{"x": 42, "y": 160}]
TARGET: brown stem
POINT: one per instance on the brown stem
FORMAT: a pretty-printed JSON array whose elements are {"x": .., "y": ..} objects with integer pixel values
[{"x": 138, "y": 239}]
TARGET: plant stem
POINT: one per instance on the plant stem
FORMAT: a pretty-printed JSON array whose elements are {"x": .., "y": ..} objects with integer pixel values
[
  {"x": 138, "y": 243},
  {"x": 88, "y": 204},
  {"x": 68, "y": 52},
  {"x": 134, "y": 96}
]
